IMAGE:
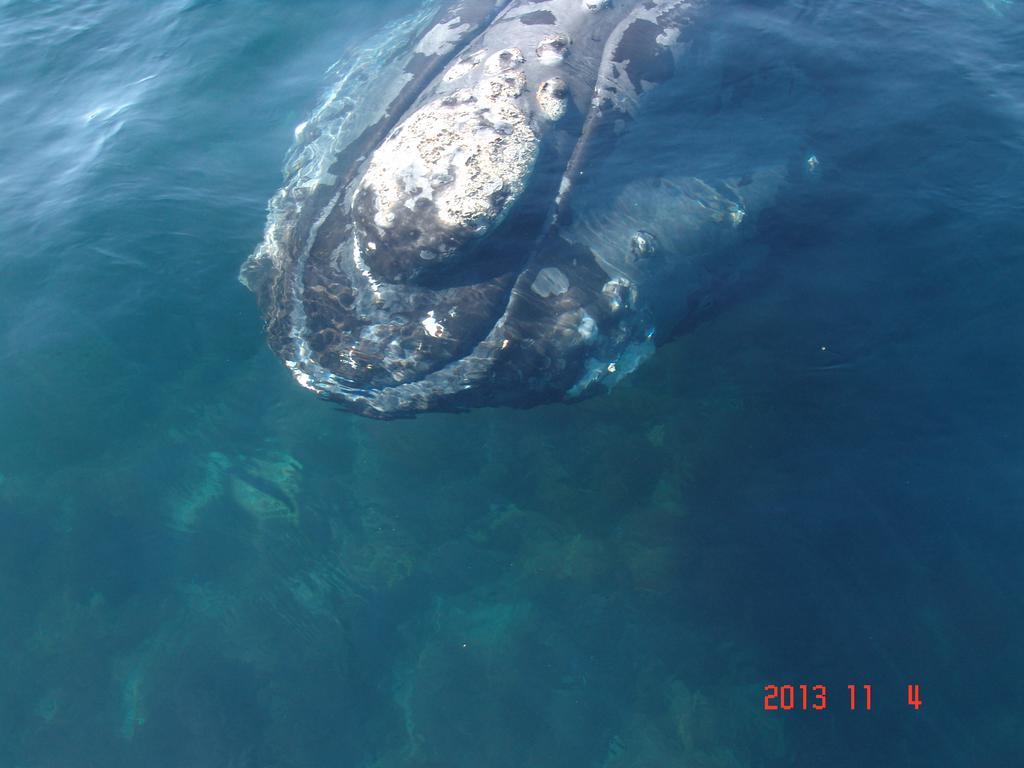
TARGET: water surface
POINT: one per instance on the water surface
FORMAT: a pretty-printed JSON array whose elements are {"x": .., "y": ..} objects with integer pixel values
[{"x": 820, "y": 481}]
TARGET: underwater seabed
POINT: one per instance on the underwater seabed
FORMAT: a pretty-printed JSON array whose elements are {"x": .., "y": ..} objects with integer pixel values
[{"x": 529, "y": 582}]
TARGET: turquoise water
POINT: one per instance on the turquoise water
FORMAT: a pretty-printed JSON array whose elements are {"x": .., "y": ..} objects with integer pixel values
[{"x": 818, "y": 482}]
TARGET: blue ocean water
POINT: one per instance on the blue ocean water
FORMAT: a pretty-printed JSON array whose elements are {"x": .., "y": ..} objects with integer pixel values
[{"x": 819, "y": 482}]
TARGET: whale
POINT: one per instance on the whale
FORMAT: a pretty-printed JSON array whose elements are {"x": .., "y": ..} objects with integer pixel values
[{"x": 449, "y": 235}]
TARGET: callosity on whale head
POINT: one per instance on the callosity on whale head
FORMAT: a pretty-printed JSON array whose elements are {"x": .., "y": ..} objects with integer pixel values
[{"x": 436, "y": 245}]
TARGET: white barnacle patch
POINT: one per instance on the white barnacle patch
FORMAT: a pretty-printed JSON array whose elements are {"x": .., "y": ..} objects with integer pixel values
[
  {"x": 431, "y": 326},
  {"x": 553, "y": 98},
  {"x": 587, "y": 328},
  {"x": 596, "y": 5},
  {"x": 550, "y": 281},
  {"x": 469, "y": 153},
  {"x": 441, "y": 38},
  {"x": 463, "y": 66},
  {"x": 553, "y": 48},
  {"x": 504, "y": 60},
  {"x": 507, "y": 85},
  {"x": 564, "y": 187},
  {"x": 619, "y": 293},
  {"x": 642, "y": 245},
  {"x": 668, "y": 37}
]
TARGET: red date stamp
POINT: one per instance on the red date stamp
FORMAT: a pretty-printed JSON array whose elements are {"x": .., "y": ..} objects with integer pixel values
[{"x": 810, "y": 698}]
